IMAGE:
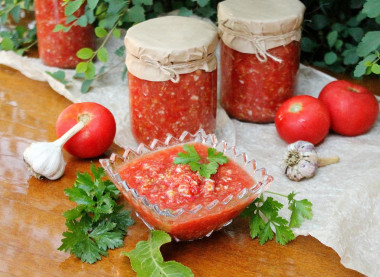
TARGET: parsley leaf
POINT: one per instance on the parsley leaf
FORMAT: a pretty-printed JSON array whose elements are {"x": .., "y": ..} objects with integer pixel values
[
  {"x": 146, "y": 259},
  {"x": 263, "y": 216},
  {"x": 264, "y": 219},
  {"x": 192, "y": 158},
  {"x": 98, "y": 223},
  {"x": 301, "y": 209}
]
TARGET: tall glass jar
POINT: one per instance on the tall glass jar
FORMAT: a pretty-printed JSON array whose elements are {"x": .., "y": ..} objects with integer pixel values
[
  {"x": 259, "y": 56},
  {"x": 59, "y": 48},
  {"x": 172, "y": 77}
]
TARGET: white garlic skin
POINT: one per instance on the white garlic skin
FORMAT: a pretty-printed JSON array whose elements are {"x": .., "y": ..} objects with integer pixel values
[
  {"x": 301, "y": 161},
  {"x": 45, "y": 159}
]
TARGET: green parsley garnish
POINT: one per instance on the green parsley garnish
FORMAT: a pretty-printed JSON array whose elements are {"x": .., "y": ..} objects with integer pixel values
[
  {"x": 98, "y": 223},
  {"x": 192, "y": 158},
  {"x": 263, "y": 218},
  {"x": 146, "y": 259}
]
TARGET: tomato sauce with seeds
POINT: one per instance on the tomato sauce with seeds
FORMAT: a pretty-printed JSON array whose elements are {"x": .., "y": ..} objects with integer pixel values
[
  {"x": 163, "y": 107},
  {"x": 59, "y": 48},
  {"x": 173, "y": 186},
  {"x": 252, "y": 90}
]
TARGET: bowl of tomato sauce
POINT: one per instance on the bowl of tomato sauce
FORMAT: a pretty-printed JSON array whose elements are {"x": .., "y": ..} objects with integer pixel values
[{"x": 179, "y": 200}]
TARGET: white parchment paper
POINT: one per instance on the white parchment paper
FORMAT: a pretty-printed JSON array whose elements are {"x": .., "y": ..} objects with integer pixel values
[{"x": 345, "y": 196}]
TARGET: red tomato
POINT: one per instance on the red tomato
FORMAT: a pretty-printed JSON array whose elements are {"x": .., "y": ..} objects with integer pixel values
[
  {"x": 302, "y": 117},
  {"x": 95, "y": 137},
  {"x": 353, "y": 109}
]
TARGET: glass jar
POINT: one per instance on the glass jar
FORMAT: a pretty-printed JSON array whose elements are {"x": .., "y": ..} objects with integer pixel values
[
  {"x": 173, "y": 84},
  {"x": 59, "y": 48},
  {"x": 259, "y": 56}
]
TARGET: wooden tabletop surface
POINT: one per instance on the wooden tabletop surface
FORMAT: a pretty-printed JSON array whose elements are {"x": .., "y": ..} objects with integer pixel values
[{"x": 31, "y": 221}]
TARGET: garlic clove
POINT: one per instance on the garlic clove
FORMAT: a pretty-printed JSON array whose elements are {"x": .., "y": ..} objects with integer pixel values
[{"x": 45, "y": 159}]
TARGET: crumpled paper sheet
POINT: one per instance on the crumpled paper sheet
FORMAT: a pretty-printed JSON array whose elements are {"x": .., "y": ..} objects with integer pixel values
[{"x": 345, "y": 196}]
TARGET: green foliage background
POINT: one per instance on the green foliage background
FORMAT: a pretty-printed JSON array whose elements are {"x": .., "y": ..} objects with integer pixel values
[{"x": 341, "y": 35}]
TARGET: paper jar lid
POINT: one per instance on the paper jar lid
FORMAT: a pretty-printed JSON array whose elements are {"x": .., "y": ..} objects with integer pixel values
[
  {"x": 161, "y": 49},
  {"x": 254, "y": 26}
]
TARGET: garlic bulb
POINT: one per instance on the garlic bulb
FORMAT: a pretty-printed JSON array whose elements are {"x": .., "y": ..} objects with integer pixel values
[
  {"x": 45, "y": 159},
  {"x": 301, "y": 161}
]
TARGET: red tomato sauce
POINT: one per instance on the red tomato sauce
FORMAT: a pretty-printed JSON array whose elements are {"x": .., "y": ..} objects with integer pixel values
[
  {"x": 252, "y": 90},
  {"x": 59, "y": 48},
  {"x": 172, "y": 186},
  {"x": 163, "y": 107}
]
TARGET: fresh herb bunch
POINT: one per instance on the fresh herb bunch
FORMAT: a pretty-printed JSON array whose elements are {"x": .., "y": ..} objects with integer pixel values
[
  {"x": 16, "y": 38},
  {"x": 98, "y": 223},
  {"x": 192, "y": 158},
  {"x": 264, "y": 219},
  {"x": 146, "y": 259},
  {"x": 343, "y": 36}
]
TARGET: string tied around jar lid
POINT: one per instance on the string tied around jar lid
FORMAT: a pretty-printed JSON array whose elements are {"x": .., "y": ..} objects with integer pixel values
[
  {"x": 257, "y": 40},
  {"x": 172, "y": 69}
]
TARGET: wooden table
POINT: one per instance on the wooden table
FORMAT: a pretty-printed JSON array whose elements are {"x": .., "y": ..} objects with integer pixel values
[{"x": 31, "y": 221}]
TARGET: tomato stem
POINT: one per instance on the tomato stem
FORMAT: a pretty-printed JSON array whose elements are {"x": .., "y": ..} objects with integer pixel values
[{"x": 295, "y": 108}]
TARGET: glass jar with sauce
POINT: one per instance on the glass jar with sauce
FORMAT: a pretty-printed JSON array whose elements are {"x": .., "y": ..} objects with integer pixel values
[
  {"x": 59, "y": 48},
  {"x": 260, "y": 51},
  {"x": 172, "y": 77}
]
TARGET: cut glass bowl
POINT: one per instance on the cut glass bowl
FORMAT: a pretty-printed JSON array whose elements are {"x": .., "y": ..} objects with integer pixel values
[{"x": 201, "y": 220}]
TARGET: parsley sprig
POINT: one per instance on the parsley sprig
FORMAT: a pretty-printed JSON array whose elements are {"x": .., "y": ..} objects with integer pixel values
[
  {"x": 98, "y": 223},
  {"x": 192, "y": 158},
  {"x": 264, "y": 218}
]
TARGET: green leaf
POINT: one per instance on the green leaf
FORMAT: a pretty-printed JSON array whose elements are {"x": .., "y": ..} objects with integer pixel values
[
  {"x": 283, "y": 234},
  {"x": 115, "y": 6},
  {"x": 120, "y": 51},
  {"x": 70, "y": 19},
  {"x": 136, "y": 14},
  {"x": 102, "y": 54},
  {"x": 361, "y": 68},
  {"x": 100, "y": 32},
  {"x": 338, "y": 27},
  {"x": 82, "y": 21},
  {"x": 91, "y": 71},
  {"x": 375, "y": 68},
  {"x": 105, "y": 236},
  {"x": 81, "y": 67},
  {"x": 256, "y": 224},
  {"x": 330, "y": 58},
  {"x": 86, "y": 86},
  {"x": 350, "y": 57},
  {"x": 308, "y": 45},
  {"x": 331, "y": 38},
  {"x": 372, "y": 8},
  {"x": 190, "y": 156},
  {"x": 59, "y": 76},
  {"x": 369, "y": 43},
  {"x": 301, "y": 209},
  {"x": 92, "y": 4},
  {"x": 87, "y": 251},
  {"x": 356, "y": 33},
  {"x": 85, "y": 53},
  {"x": 15, "y": 12},
  {"x": 116, "y": 33},
  {"x": 338, "y": 44},
  {"x": 217, "y": 157},
  {"x": 73, "y": 6},
  {"x": 109, "y": 21},
  {"x": 7, "y": 44},
  {"x": 203, "y": 3},
  {"x": 183, "y": 11},
  {"x": 146, "y": 259},
  {"x": 59, "y": 27},
  {"x": 319, "y": 21},
  {"x": 141, "y": 2}
]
